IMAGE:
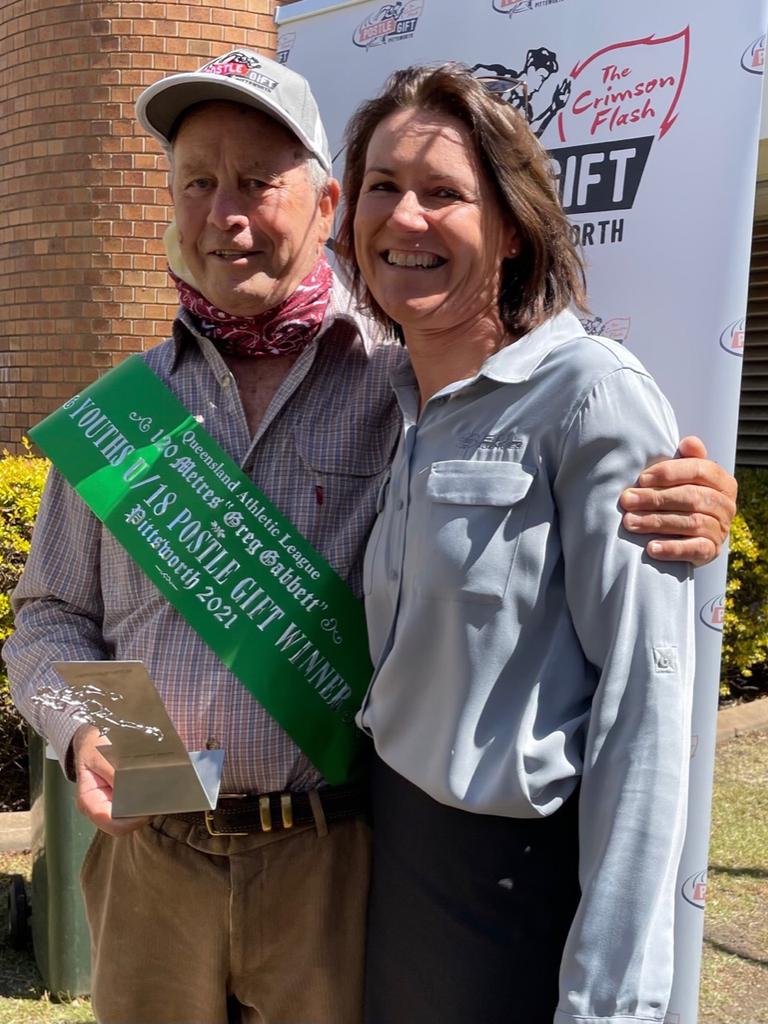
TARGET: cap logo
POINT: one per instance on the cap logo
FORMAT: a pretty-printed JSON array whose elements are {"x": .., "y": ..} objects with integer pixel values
[{"x": 240, "y": 65}]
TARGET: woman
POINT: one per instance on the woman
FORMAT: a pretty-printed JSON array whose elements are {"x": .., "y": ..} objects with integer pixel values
[{"x": 531, "y": 701}]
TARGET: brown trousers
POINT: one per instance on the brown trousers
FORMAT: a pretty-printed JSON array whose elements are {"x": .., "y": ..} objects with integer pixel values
[{"x": 187, "y": 928}]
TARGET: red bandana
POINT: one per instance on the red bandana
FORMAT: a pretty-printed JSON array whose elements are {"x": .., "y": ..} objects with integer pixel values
[{"x": 281, "y": 331}]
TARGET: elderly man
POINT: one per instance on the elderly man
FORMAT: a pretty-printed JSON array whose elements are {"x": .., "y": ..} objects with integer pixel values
[{"x": 204, "y": 923}]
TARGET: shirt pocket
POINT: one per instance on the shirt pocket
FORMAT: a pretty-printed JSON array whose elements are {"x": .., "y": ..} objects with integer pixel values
[
  {"x": 344, "y": 450},
  {"x": 342, "y": 470},
  {"x": 346, "y": 470},
  {"x": 475, "y": 513}
]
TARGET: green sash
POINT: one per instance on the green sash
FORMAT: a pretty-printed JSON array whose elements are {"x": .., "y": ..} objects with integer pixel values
[{"x": 228, "y": 561}]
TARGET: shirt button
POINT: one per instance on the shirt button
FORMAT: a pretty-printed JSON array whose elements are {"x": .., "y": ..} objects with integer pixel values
[
  {"x": 226, "y": 382},
  {"x": 394, "y": 575},
  {"x": 400, "y": 505}
]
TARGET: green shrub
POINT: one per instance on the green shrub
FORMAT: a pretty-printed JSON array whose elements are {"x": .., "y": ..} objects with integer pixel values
[
  {"x": 745, "y": 631},
  {"x": 21, "y": 484}
]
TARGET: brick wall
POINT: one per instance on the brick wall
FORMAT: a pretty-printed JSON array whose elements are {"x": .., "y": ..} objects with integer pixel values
[{"x": 83, "y": 204}]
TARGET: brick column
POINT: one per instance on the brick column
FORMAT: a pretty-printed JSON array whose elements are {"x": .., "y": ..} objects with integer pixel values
[{"x": 83, "y": 202}]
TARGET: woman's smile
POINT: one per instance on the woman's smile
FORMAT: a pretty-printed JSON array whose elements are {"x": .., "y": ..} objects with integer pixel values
[{"x": 411, "y": 259}]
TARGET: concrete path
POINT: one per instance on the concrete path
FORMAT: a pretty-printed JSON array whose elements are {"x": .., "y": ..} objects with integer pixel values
[
  {"x": 14, "y": 832},
  {"x": 742, "y": 718},
  {"x": 731, "y": 722}
]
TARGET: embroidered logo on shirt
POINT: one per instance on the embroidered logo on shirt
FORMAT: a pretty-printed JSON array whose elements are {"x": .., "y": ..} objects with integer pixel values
[
  {"x": 665, "y": 659},
  {"x": 479, "y": 442}
]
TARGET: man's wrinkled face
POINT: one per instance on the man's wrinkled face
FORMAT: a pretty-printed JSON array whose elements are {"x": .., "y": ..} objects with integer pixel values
[{"x": 251, "y": 223}]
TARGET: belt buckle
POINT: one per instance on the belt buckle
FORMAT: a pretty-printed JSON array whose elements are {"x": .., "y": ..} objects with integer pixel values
[{"x": 209, "y": 816}]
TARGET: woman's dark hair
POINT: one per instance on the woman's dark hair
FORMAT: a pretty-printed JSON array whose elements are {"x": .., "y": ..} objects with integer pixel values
[{"x": 548, "y": 274}]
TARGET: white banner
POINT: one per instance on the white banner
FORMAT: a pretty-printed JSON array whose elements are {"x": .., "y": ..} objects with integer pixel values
[{"x": 651, "y": 112}]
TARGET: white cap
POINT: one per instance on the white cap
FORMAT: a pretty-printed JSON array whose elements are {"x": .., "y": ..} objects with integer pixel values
[{"x": 241, "y": 76}]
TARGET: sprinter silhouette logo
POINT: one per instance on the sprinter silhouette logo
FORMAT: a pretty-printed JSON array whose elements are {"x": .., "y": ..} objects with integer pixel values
[
  {"x": 388, "y": 23},
  {"x": 753, "y": 58},
  {"x": 536, "y": 88},
  {"x": 732, "y": 338}
]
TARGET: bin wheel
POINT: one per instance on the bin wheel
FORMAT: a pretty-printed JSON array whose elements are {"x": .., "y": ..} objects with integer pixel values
[{"x": 18, "y": 913}]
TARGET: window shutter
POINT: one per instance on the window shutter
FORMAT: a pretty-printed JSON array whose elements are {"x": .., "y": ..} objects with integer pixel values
[{"x": 752, "y": 443}]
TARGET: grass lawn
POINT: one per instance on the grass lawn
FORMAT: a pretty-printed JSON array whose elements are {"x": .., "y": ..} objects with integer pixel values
[{"x": 734, "y": 987}]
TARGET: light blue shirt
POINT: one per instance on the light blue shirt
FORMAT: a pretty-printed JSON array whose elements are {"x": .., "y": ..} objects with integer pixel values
[{"x": 524, "y": 641}]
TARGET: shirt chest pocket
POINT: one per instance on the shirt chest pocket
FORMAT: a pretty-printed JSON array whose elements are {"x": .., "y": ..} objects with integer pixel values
[
  {"x": 475, "y": 513},
  {"x": 346, "y": 468}
]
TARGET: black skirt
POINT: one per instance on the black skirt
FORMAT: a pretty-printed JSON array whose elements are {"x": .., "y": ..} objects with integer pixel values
[{"x": 468, "y": 912}]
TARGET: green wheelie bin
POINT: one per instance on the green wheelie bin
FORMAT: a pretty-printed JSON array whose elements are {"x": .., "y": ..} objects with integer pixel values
[{"x": 60, "y": 838}]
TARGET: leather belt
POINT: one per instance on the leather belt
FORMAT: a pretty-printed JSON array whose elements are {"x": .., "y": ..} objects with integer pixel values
[{"x": 242, "y": 815}]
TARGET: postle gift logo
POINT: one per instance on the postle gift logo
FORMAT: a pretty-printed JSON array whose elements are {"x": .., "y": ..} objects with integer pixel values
[
  {"x": 712, "y": 613},
  {"x": 285, "y": 43},
  {"x": 753, "y": 58},
  {"x": 732, "y": 337},
  {"x": 388, "y": 23},
  {"x": 237, "y": 64},
  {"x": 616, "y": 327},
  {"x": 512, "y": 7},
  {"x": 694, "y": 889}
]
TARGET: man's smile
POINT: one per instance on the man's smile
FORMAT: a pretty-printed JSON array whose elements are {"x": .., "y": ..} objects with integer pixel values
[{"x": 235, "y": 255}]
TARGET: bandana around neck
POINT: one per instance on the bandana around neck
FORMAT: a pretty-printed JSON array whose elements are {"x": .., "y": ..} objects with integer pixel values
[{"x": 284, "y": 330}]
